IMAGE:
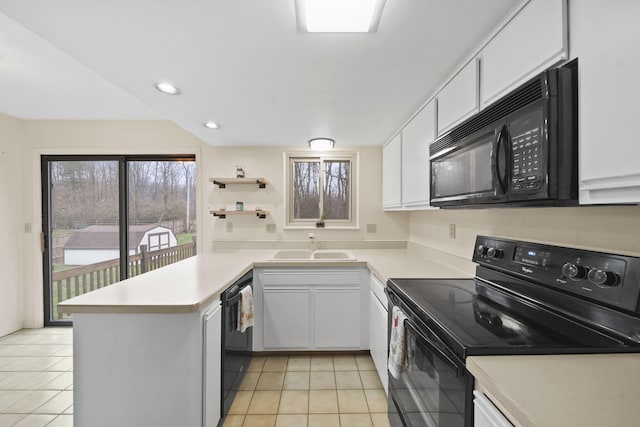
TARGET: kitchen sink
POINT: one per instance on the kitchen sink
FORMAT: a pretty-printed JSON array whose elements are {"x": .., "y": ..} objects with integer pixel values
[
  {"x": 293, "y": 254},
  {"x": 307, "y": 255},
  {"x": 330, "y": 254}
]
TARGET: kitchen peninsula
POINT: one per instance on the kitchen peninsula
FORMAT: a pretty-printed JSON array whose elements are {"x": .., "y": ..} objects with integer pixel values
[{"x": 138, "y": 344}]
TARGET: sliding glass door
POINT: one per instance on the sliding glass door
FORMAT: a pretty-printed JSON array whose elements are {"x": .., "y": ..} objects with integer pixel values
[{"x": 107, "y": 218}]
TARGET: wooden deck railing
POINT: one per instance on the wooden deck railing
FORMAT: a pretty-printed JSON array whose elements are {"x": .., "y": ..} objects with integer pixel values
[{"x": 76, "y": 281}]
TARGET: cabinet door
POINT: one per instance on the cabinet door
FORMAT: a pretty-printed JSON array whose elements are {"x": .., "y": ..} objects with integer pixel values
[
  {"x": 378, "y": 338},
  {"x": 459, "y": 98},
  {"x": 416, "y": 137},
  {"x": 211, "y": 393},
  {"x": 337, "y": 317},
  {"x": 286, "y": 317},
  {"x": 535, "y": 39},
  {"x": 607, "y": 36},
  {"x": 392, "y": 173}
]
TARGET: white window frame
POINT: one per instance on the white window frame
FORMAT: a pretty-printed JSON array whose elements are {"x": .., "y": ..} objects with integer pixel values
[{"x": 352, "y": 157}]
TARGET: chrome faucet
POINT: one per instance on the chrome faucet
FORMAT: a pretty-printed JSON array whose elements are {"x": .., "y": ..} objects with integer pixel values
[{"x": 312, "y": 240}]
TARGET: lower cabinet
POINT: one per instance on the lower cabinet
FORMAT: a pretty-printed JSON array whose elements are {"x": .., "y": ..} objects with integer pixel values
[
  {"x": 378, "y": 330},
  {"x": 311, "y": 309},
  {"x": 212, "y": 347},
  {"x": 337, "y": 317},
  {"x": 286, "y": 317}
]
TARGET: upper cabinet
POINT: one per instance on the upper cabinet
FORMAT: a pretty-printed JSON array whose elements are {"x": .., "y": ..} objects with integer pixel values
[
  {"x": 605, "y": 39},
  {"x": 533, "y": 40},
  {"x": 416, "y": 137},
  {"x": 458, "y": 100},
  {"x": 391, "y": 174}
]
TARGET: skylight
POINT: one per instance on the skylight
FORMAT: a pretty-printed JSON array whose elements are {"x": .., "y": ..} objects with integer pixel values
[{"x": 338, "y": 16}]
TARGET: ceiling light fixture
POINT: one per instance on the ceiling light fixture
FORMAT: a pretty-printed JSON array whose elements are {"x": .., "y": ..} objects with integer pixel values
[
  {"x": 167, "y": 88},
  {"x": 338, "y": 16},
  {"x": 321, "y": 144},
  {"x": 211, "y": 125}
]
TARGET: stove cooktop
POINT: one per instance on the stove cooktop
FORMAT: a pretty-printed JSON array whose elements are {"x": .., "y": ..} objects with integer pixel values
[{"x": 495, "y": 322}]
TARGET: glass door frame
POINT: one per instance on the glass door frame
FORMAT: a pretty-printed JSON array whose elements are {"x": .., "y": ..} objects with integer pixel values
[{"x": 123, "y": 214}]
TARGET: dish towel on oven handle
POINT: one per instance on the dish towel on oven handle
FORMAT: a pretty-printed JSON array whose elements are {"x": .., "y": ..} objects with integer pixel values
[
  {"x": 245, "y": 309},
  {"x": 398, "y": 361}
]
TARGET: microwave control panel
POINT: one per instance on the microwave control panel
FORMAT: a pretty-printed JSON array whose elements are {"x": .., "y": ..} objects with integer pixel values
[{"x": 527, "y": 153}]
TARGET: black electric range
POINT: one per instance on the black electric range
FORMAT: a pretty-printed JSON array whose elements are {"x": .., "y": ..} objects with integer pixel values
[{"x": 526, "y": 298}]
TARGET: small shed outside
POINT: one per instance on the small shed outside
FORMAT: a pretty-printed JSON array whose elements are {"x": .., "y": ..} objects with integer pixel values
[{"x": 97, "y": 243}]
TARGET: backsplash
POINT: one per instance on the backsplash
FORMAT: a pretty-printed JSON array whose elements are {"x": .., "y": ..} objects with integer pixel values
[{"x": 613, "y": 229}]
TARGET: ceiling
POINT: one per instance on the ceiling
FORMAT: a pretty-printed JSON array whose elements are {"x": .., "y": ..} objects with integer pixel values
[{"x": 240, "y": 63}]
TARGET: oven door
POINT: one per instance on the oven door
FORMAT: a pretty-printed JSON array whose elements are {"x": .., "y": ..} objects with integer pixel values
[
  {"x": 435, "y": 390},
  {"x": 472, "y": 171}
]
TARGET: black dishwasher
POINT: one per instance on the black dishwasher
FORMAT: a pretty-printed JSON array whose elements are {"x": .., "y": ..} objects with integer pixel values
[{"x": 236, "y": 345}]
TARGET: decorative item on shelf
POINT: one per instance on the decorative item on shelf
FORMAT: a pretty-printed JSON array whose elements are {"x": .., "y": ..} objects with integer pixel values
[
  {"x": 320, "y": 222},
  {"x": 239, "y": 206},
  {"x": 239, "y": 171},
  {"x": 222, "y": 209}
]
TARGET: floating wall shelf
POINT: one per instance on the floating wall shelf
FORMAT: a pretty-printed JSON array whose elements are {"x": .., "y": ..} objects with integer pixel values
[
  {"x": 223, "y": 182},
  {"x": 223, "y": 214}
]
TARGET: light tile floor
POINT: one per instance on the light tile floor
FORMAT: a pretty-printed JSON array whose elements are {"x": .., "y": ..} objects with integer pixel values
[
  {"x": 36, "y": 387},
  {"x": 310, "y": 391},
  {"x": 36, "y": 378}
]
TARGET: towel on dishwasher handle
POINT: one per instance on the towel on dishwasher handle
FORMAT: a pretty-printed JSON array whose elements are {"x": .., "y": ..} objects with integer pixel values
[
  {"x": 245, "y": 309},
  {"x": 398, "y": 361}
]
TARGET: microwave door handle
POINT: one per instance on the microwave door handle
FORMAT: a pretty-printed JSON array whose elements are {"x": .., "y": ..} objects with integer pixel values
[{"x": 502, "y": 180}]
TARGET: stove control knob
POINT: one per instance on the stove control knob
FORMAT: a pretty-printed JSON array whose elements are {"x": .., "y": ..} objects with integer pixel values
[
  {"x": 495, "y": 253},
  {"x": 573, "y": 271},
  {"x": 602, "y": 278},
  {"x": 481, "y": 250}
]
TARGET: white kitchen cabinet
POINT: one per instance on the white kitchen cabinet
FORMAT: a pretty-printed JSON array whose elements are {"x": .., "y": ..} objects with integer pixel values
[
  {"x": 378, "y": 330},
  {"x": 212, "y": 363},
  {"x": 606, "y": 37},
  {"x": 311, "y": 308},
  {"x": 286, "y": 317},
  {"x": 392, "y": 174},
  {"x": 535, "y": 39},
  {"x": 486, "y": 414},
  {"x": 416, "y": 137},
  {"x": 458, "y": 100},
  {"x": 147, "y": 369},
  {"x": 337, "y": 317}
]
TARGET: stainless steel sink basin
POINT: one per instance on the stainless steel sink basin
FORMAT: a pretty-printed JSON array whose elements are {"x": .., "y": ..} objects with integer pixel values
[
  {"x": 307, "y": 255},
  {"x": 293, "y": 254}
]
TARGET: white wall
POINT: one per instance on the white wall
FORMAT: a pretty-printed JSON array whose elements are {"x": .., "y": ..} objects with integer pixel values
[
  {"x": 162, "y": 137},
  {"x": 269, "y": 163},
  {"x": 11, "y": 225},
  {"x": 608, "y": 228},
  {"x": 85, "y": 137}
]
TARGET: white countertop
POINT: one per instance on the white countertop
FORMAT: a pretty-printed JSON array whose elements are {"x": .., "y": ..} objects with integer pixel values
[
  {"x": 593, "y": 390},
  {"x": 188, "y": 285}
]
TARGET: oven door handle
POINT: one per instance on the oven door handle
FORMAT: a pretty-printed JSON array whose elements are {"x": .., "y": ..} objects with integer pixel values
[
  {"x": 446, "y": 359},
  {"x": 235, "y": 298}
]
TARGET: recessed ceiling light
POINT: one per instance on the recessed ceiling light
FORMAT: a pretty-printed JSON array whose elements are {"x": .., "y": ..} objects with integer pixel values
[
  {"x": 167, "y": 88},
  {"x": 321, "y": 144},
  {"x": 338, "y": 16},
  {"x": 211, "y": 125}
]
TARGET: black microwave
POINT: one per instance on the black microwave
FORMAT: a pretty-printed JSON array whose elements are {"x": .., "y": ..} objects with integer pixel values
[{"x": 520, "y": 151}]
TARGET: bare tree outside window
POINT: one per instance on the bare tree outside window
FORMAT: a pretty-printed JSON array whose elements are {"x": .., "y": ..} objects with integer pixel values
[
  {"x": 306, "y": 189},
  {"x": 321, "y": 189},
  {"x": 336, "y": 195}
]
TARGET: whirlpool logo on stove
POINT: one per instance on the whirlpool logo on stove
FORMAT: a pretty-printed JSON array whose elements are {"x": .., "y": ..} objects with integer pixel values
[{"x": 527, "y": 270}]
